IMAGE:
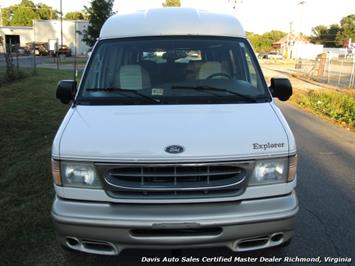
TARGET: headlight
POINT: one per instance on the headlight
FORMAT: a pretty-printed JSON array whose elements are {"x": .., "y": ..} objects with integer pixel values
[
  {"x": 77, "y": 174},
  {"x": 271, "y": 171}
]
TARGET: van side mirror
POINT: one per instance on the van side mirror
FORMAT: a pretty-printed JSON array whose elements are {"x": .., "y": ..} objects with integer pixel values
[
  {"x": 66, "y": 90},
  {"x": 281, "y": 88}
]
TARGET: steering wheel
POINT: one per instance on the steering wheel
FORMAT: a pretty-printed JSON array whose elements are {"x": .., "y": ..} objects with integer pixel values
[{"x": 221, "y": 74}]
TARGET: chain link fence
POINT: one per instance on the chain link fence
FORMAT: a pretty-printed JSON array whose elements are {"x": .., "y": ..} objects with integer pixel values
[
  {"x": 10, "y": 67},
  {"x": 17, "y": 63},
  {"x": 336, "y": 72}
]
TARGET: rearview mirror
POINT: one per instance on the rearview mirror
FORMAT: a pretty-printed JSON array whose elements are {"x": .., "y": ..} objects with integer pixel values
[
  {"x": 66, "y": 90},
  {"x": 281, "y": 88}
]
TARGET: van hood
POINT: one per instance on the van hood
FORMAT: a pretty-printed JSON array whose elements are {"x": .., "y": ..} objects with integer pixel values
[{"x": 142, "y": 133}]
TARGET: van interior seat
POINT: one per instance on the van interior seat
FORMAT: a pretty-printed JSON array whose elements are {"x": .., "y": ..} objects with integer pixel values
[
  {"x": 211, "y": 67},
  {"x": 192, "y": 69},
  {"x": 152, "y": 69},
  {"x": 133, "y": 77}
]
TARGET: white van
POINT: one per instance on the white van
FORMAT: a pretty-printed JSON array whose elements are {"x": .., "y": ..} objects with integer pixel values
[{"x": 173, "y": 140}]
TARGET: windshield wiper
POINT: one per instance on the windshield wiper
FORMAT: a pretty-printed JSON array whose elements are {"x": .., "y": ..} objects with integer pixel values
[
  {"x": 124, "y": 92},
  {"x": 210, "y": 88}
]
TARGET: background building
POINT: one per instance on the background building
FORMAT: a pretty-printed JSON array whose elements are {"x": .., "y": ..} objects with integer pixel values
[
  {"x": 10, "y": 35},
  {"x": 295, "y": 46},
  {"x": 46, "y": 31}
]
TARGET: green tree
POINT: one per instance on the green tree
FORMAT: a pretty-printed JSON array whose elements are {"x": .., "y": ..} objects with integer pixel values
[
  {"x": 325, "y": 35},
  {"x": 98, "y": 12},
  {"x": 171, "y": 3},
  {"x": 46, "y": 12},
  {"x": 20, "y": 15},
  {"x": 23, "y": 13},
  {"x": 319, "y": 33},
  {"x": 253, "y": 38},
  {"x": 75, "y": 15},
  {"x": 347, "y": 29},
  {"x": 262, "y": 43},
  {"x": 332, "y": 35}
]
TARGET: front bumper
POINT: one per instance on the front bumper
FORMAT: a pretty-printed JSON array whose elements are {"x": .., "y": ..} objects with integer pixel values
[{"x": 106, "y": 228}]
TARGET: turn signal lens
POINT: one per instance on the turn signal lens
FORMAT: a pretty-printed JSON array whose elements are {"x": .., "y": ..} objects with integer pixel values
[
  {"x": 292, "y": 168},
  {"x": 56, "y": 172}
]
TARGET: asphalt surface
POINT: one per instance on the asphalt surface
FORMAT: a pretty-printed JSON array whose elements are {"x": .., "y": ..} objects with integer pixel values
[
  {"x": 325, "y": 224},
  {"x": 27, "y": 61},
  {"x": 66, "y": 63}
]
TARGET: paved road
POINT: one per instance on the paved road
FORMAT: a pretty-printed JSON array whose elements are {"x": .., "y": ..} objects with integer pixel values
[
  {"x": 27, "y": 61},
  {"x": 66, "y": 63},
  {"x": 325, "y": 225}
]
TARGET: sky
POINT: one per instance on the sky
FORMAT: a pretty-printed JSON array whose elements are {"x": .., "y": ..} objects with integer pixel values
[{"x": 256, "y": 16}]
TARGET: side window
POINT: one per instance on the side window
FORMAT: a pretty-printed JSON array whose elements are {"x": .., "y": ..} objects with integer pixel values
[
  {"x": 93, "y": 80},
  {"x": 252, "y": 76},
  {"x": 251, "y": 70},
  {"x": 104, "y": 67}
]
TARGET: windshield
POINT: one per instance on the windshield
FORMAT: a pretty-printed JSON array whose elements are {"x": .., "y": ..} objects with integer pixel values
[{"x": 172, "y": 70}]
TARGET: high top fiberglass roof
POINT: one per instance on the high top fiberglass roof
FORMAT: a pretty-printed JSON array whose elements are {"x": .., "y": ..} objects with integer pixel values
[{"x": 171, "y": 21}]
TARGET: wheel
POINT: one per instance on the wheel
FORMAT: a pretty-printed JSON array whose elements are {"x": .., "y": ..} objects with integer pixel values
[{"x": 219, "y": 75}]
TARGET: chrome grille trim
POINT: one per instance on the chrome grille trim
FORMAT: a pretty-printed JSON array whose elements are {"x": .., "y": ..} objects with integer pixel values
[
  {"x": 177, "y": 187},
  {"x": 175, "y": 181}
]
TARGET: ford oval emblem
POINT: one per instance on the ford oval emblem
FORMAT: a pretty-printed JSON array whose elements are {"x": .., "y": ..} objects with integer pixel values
[{"x": 174, "y": 149}]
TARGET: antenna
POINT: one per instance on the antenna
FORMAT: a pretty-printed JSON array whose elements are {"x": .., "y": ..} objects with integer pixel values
[
  {"x": 75, "y": 44},
  {"x": 235, "y": 3},
  {"x": 76, "y": 33}
]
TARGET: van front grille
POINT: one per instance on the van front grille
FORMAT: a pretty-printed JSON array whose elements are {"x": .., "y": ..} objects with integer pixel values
[{"x": 169, "y": 181}]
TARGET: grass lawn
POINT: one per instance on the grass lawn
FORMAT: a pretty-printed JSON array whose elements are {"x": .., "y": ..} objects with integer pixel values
[{"x": 29, "y": 118}]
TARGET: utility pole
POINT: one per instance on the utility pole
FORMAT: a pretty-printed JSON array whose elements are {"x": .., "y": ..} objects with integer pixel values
[
  {"x": 61, "y": 24},
  {"x": 288, "y": 44},
  {"x": 34, "y": 48},
  {"x": 1, "y": 16},
  {"x": 301, "y": 4}
]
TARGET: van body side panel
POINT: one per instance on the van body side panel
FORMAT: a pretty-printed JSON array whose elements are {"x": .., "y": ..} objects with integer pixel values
[
  {"x": 291, "y": 138},
  {"x": 59, "y": 134}
]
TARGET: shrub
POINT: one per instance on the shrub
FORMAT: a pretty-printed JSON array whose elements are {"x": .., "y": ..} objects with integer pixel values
[{"x": 336, "y": 105}]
